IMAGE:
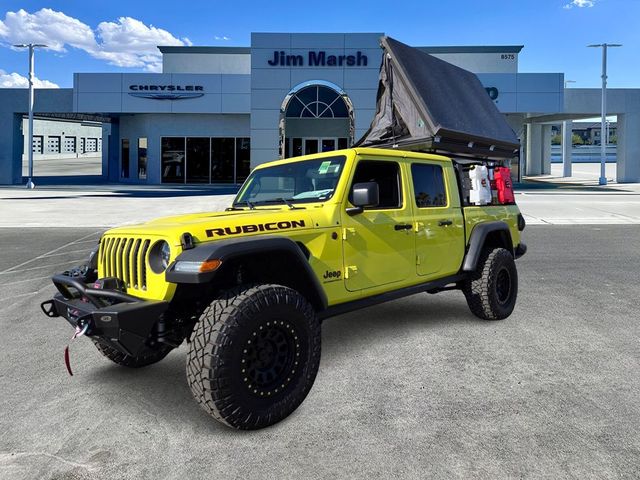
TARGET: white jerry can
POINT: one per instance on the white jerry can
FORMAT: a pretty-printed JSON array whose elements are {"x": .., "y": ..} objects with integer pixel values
[{"x": 480, "y": 193}]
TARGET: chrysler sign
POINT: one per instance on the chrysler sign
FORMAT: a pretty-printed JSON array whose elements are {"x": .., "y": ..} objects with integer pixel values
[{"x": 166, "y": 92}]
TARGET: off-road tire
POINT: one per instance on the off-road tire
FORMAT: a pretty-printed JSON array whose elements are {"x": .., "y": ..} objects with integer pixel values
[
  {"x": 147, "y": 357},
  {"x": 491, "y": 290},
  {"x": 254, "y": 355}
]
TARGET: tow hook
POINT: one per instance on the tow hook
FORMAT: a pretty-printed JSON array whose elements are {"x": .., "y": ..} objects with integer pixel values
[{"x": 82, "y": 328}]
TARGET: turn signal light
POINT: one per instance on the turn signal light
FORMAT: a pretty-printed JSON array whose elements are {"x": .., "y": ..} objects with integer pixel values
[
  {"x": 210, "y": 265},
  {"x": 197, "y": 267}
]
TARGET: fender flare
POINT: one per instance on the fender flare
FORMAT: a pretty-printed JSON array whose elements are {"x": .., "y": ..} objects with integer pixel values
[
  {"x": 225, "y": 250},
  {"x": 477, "y": 240}
]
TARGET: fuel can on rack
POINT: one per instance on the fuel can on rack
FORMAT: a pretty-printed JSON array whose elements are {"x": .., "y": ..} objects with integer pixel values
[
  {"x": 504, "y": 185},
  {"x": 480, "y": 193}
]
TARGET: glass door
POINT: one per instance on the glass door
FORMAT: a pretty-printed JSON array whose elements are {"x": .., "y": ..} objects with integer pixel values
[
  {"x": 310, "y": 146},
  {"x": 197, "y": 160}
]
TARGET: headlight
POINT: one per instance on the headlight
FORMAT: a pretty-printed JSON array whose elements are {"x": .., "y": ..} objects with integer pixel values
[{"x": 159, "y": 256}]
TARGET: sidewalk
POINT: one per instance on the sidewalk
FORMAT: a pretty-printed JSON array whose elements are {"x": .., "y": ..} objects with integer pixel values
[{"x": 104, "y": 206}]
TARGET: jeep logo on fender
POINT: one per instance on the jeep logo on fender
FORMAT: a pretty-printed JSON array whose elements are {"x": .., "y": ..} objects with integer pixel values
[{"x": 260, "y": 227}]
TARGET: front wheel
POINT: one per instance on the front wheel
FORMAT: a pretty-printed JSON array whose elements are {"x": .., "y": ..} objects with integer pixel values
[
  {"x": 148, "y": 356},
  {"x": 254, "y": 355},
  {"x": 491, "y": 290}
]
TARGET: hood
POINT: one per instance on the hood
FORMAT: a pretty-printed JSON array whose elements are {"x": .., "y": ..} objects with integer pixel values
[{"x": 221, "y": 225}]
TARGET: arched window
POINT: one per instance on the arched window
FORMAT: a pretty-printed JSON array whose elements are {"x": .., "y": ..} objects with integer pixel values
[{"x": 316, "y": 101}]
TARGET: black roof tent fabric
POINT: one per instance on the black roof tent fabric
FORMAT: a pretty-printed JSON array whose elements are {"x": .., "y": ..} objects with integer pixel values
[{"x": 427, "y": 104}]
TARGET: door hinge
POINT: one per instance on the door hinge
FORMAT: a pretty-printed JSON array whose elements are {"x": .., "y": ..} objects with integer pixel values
[
  {"x": 419, "y": 226},
  {"x": 348, "y": 231},
  {"x": 350, "y": 271},
  {"x": 419, "y": 259}
]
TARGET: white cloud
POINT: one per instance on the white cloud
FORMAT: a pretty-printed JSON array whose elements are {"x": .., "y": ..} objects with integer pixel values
[
  {"x": 580, "y": 4},
  {"x": 15, "y": 80},
  {"x": 127, "y": 42},
  {"x": 223, "y": 38},
  {"x": 47, "y": 26}
]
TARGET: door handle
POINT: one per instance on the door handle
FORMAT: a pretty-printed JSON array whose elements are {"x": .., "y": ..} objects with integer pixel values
[
  {"x": 444, "y": 223},
  {"x": 402, "y": 226}
]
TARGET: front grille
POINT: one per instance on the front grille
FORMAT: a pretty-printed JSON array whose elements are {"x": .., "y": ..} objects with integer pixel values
[{"x": 126, "y": 259}]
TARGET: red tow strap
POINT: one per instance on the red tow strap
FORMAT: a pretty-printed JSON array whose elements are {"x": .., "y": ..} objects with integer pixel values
[{"x": 80, "y": 331}]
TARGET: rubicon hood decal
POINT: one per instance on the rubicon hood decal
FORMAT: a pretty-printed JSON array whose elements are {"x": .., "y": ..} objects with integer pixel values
[{"x": 255, "y": 227}]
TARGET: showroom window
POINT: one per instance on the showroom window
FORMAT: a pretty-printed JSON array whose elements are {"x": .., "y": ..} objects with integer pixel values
[
  {"x": 142, "y": 158},
  {"x": 124, "y": 158},
  {"x": 205, "y": 159}
]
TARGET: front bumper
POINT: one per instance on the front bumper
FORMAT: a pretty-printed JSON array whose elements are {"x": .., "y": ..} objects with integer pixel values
[{"x": 112, "y": 317}]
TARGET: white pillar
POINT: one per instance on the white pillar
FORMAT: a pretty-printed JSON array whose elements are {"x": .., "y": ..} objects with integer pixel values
[
  {"x": 567, "y": 146},
  {"x": 628, "y": 167},
  {"x": 30, "y": 183},
  {"x": 534, "y": 149},
  {"x": 546, "y": 149}
]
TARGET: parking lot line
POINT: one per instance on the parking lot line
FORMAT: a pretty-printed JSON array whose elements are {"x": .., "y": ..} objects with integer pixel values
[
  {"x": 41, "y": 266},
  {"x": 12, "y": 269}
]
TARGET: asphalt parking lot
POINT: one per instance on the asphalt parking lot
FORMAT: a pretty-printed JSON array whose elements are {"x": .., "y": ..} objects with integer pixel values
[{"x": 417, "y": 388}]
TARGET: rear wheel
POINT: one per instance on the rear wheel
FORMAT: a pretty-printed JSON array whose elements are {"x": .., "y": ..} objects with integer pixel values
[
  {"x": 148, "y": 356},
  {"x": 492, "y": 289},
  {"x": 254, "y": 355}
]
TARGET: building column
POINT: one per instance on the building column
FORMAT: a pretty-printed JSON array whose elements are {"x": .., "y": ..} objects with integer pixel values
[
  {"x": 113, "y": 170},
  {"x": 567, "y": 146},
  {"x": 534, "y": 149},
  {"x": 628, "y": 163},
  {"x": 546, "y": 149},
  {"x": 11, "y": 149}
]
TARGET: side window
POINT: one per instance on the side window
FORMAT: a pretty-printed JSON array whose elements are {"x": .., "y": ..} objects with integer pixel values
[
  {"x": 386, "y": 175},
  {"x": 428, "y": 185}
]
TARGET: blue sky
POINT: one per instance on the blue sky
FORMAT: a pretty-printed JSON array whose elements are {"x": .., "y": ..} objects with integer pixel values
[{"x": 116, "y": 36}]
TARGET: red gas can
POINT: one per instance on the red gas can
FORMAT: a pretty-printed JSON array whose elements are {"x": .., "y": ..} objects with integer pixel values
[{"x": 504, "y": 186}]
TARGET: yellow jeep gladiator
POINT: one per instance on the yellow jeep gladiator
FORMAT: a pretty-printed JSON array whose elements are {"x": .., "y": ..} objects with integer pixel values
[{"x": 305, "y": 239}]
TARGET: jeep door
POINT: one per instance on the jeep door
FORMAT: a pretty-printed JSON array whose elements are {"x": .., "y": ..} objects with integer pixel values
[
  {"x": 438, "y": 219},
  {"x": 378, "y": 243}
]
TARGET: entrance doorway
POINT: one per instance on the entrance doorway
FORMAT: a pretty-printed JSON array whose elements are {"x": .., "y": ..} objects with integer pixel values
[
  {"x": 294, "y": 147},
  {"x": 315, "y": 117}
]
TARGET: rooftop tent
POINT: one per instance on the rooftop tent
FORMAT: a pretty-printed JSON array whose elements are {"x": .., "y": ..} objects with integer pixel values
[{"x": 425, "y": 103}]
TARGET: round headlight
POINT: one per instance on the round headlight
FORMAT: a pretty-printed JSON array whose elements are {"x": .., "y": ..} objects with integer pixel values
[{"x": 159, "y": 256}]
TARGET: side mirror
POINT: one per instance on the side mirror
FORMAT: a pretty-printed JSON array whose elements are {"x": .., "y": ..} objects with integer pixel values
[{"x": 366, "y": 194}]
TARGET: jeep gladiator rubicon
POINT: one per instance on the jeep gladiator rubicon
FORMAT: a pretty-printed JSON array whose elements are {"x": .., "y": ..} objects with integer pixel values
[{"x": 305, "y": 239}]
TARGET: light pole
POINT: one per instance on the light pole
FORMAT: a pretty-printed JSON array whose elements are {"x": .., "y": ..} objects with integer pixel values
[
  {"x": 31, "y": 47},
  {"x": 567, "y": 141},
  {"x": 603, "y": 146}
]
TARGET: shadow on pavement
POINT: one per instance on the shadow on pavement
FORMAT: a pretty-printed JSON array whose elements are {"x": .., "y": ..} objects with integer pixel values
[{"x": 162, "y": 390}]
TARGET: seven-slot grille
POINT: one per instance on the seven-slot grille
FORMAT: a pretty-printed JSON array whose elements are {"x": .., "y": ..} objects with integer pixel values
[{"x": 126, "y": 259}]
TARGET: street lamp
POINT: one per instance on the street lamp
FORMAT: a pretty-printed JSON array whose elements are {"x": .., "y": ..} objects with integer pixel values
[
  {"x": 603, "y": 146},
  {"x": 567, "y": 144},
  {"x": 31, "y": 47}
]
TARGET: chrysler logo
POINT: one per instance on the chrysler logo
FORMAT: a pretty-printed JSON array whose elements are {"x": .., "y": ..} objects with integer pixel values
[{"x": 166, "y": 92}]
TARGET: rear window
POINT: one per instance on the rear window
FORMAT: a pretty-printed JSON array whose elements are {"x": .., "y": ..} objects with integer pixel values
[{"x": 428, "y": 185}]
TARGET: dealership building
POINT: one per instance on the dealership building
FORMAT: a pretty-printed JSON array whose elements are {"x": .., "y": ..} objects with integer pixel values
[{"x": 216, "y": 112}]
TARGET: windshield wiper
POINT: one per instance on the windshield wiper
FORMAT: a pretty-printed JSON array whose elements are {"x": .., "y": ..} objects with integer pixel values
[
  {"x": 287, "y": 202},
  {"x": 247, "y": 202}
]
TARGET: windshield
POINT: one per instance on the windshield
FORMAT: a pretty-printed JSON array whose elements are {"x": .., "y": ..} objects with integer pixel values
[{"x": 303, "y": 181}]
